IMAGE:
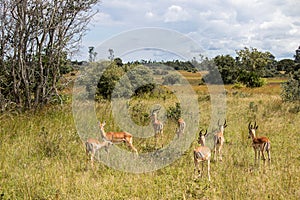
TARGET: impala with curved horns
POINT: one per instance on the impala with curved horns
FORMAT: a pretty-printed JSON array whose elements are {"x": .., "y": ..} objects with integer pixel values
[
  {"x": 219, "y": 140},
  {"x": 117, "y": 137},
  {"x": 202, "y": 154},
  {"x": 259, "y": 144}
]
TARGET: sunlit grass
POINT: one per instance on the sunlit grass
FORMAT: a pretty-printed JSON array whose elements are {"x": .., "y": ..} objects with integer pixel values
[{"x": 43, "y": 157}]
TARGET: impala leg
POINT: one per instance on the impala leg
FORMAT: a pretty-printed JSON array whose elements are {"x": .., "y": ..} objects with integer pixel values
[
  {"x": 220, "y": 153},
  {"x": 208, "y": 169},
  {"x": 269, "y": 155},
  {"x": 196, "y": 170},
  {"x": 92, "y": 160},
  {"x": 215, "y": 153},
  {"x": 87, "y": 159},
  {"x": 263, "y": 155},
  {"x": 156, "y": 138},
  {"x": 161, "y": 137},
  {"x": 255, "y": 156},
  {"x": 133, "y": 148},
  {"x": 202, "y": 170},
  {"x": 258, "y": 157}
]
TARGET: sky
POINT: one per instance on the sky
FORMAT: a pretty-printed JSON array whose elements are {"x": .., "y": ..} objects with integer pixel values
[{"x": 219, "y": 27}]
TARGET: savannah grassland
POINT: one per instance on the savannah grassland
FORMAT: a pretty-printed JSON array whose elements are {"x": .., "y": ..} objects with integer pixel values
[{"x": 42, "y": 156}]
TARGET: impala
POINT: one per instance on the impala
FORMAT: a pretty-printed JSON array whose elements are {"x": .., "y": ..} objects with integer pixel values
[
  {"x": 202, "y": 154},
  {"x": 259, "y": 144},
  {"x": 219, "y": 140},
  {"x": 181, "y": 127},
  {"x": 93, "y": 145},
  {"x": 117, "y": 137},
  {"x": 157, "y": 125}
]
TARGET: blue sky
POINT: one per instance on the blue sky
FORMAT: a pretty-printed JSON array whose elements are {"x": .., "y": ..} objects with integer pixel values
[{"x": 218, "y": 26}]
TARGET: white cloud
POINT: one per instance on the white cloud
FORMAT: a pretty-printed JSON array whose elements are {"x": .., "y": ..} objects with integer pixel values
[
  {"x": 219, "y": 26},
  {"x": 149, "y": 14},
  {"x": 176, "y": 13}
]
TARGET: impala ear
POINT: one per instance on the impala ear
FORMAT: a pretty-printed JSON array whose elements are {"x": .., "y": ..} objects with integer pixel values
[
  {"x": 205, "y": 133},
  {"x": 256, "y": 127}
]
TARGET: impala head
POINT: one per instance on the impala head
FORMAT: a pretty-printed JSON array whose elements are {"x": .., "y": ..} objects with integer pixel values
[
  {"x": 252, "y": 129},
  {"x": 201, "y": 138},
  {"x": 155, "y": 111},
  {"x": 222, "y": 127},
  {"x": 101, "y": 125}
]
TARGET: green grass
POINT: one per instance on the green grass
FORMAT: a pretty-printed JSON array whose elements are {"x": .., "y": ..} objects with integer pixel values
[{"x": 42, "y": 156}]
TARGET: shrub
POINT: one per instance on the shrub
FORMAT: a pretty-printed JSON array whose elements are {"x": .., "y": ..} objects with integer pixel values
[
  {"x": 291, "y": 88},
  {"x": 171, "y": 79},
  {"x": 250, "y": 79},
  {"x": 174, "y": 112}
]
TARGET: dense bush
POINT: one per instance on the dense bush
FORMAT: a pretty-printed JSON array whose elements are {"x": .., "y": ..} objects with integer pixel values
[
  {"x": 250, "y": 79},
  {"x": 291, "y": 88},
  {"x": 171, "y": 79},
  {"x": 174, "y": 112}
]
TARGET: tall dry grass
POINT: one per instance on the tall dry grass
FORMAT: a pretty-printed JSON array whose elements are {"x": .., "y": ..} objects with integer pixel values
[{"x": 42, "y": 156}]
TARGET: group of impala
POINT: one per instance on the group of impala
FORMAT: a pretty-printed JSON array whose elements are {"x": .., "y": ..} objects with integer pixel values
[
  {"x": 201, "y": 153},
  {"x": 92, "y": 145}
]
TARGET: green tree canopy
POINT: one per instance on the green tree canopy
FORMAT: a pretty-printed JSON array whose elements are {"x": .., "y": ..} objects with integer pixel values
[{"x": 254, "y": 60}]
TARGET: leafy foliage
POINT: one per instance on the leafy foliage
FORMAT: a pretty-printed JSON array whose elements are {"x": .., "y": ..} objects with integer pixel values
[
  {"x": 171, "y": 79},
  {"x": 250, "y": 79},
  {"x": 248, "y": 68},
  {"x": 286, "y": 65},
  {"x": 36, "y": 37},
  {"x": 291, "y": 88},
  {"x": 108, "y": 80},
  {"x": 227, "y": 68},
  {"x": 174, "y": 112}
]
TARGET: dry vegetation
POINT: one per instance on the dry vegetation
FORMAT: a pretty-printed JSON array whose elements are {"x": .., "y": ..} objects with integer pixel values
[{"x": 42, "y": 156}]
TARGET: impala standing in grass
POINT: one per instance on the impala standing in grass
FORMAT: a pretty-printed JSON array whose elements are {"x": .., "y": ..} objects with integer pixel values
[
  {"x": 202, "y": 154},
  {"x": 117, "y": 137},
  {"x": 259, "y": 144},
  {"x": 157, "y": 125},
  {"x": 219, "y": 140},
  {"x": 93, "y": 145},
  {"x": 180, "y": 128}
]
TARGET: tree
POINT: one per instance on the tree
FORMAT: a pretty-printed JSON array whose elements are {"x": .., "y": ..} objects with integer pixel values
[
  {"x": 116, "y": 82},
  {"x": 253, "y": 65},
  {"x": 92, "y": 54},
  {"x": 214, "y": 76},
  {"x": 286, "y": 65},
  {"x": 118, "y": 62},
  {"x": 108, "y": 81},
  {"x": 254, "y": 60},
  {"x": 35, "y": 38},
  {"x": 291, "y": 88},
  {"x": 227, "y": 68},
  {"x": 297, "y": 55},
  {"x": 111, "y": 54}
]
